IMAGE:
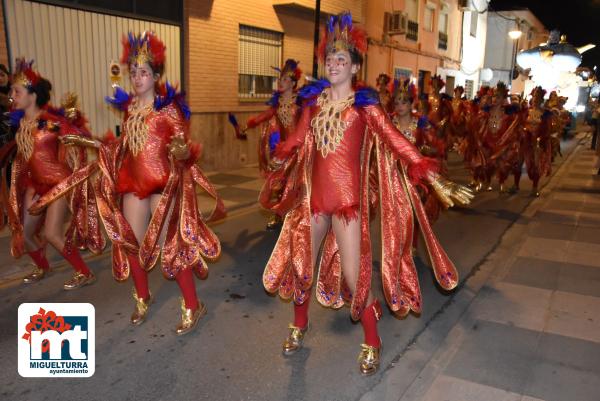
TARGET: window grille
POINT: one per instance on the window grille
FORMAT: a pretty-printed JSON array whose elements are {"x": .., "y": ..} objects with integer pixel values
[{"x": 259, "y": 51}]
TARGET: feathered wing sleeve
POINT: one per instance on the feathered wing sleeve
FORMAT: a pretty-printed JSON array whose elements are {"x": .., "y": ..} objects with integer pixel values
[
  {"x": 419, "y": 167},
  {"x": 261, "y": 118}
]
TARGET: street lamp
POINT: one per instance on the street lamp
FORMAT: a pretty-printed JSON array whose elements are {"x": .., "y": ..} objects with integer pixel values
[{"x": 515, "y": 34}]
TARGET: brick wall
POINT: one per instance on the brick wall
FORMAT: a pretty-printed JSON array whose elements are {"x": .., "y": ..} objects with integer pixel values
[
  {"x": 3, "y": 40},
  {"x": 211, "y": 30}
]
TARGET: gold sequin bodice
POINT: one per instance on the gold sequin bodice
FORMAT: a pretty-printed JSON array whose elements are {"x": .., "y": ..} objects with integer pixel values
[
  {"x": 136, "y": 128},
  {"x": 328, "y": 126},
  {"x": 24, "y": 137},
  {"x": 286, "y": 111}
]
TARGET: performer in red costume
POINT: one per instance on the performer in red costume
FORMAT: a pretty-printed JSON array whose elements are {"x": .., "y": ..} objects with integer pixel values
[
  {"x": 537, "y": 144},
  {"x": 498, "y": 129},
  {"x": 41, "y": 162},
  {"x": 147, "y": 186},
  {"x": 421, "y": 133},
  {"x": 324, "y": 171},
  {"x": 472, "y": 146},
  {"x": 385, "y": 96},
  {"x": 440, "y": 110},
  {"x": 278, "y": 121},
  {"x": 458, "y": 119}
]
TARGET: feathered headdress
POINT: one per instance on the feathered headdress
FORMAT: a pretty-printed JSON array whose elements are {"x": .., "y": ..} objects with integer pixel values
[
  {"x": 404, "y": 90},
  {"x": 24, "y": 74},
  {"x": 501, "y": 90},
  {"x": 483, "y": 90},
  {"x": 383, "y": 78},
  {"x": 437, "y": 80},
  {"x": 538, "y": 90},
  {"x": 145, "y": 47},
  {"x": 341, "y": 34},
  {"x": 290, "y": 68}
]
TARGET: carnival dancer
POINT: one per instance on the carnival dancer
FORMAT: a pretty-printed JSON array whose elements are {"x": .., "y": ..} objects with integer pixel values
[
  {"x": 458, "y": 119},
  {"x": 146, "y": 189},
  {"x": 278, "y": 121},
  {"x": 383, "y": 82},
  {"x": 41, "y": 162},
  {"x": 440, "y": 109},
  {"x": 472, "y": 147},
  {"x": 421, "y": 133},
  {"x": 499, "y": 124},
  {"x": 537, "y": 146},
  {"x": 324, "y": 172}
]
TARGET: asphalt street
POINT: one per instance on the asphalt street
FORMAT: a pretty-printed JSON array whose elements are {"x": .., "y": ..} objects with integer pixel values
[{"x": 235, "y": 352}]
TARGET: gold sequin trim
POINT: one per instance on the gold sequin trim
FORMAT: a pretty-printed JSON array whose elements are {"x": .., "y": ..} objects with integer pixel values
[
  {"x": 24, "y": 137},
  {"x": 409, "y": 131},
  {"x": 285, "y": 111},
  {"x": 328, "y": 126},
  {"x": 136, "y": 129}
]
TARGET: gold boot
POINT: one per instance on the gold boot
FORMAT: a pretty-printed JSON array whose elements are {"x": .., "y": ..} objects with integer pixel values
[
  {"x": 190, "y": 318},
  {"x": 141, "y": 309},
  {"x": 79, "y": 280},
  {"x": 368, "y": 359},
  {"x": 294, "y": 340},
  {"x": 274, "y": 222},
  {"x": 36, "y": 275}
]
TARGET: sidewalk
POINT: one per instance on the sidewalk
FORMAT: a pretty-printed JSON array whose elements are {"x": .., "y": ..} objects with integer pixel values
[{"x": 526, "y": 325}]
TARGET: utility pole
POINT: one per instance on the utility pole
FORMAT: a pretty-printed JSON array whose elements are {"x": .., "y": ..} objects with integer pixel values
[{"x": 315, "y": 71}]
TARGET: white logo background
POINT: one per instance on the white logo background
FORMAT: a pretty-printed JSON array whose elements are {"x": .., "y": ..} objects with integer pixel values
[{"x": 55, "y": 367}]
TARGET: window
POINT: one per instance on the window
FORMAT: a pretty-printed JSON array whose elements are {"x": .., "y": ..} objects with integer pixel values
[
  {"x": 412, "y": 10},
  {"x": 474, "y": 18},
  {"x": 469, "y": 88},
  {"x": 443, "y": 24},
  {"x": 168, "y": 11},
  {"x": 412, "y": 26},
  {"x": 402, "y": 74},
  {"x": 428, "y": 23},
  {"x": 259, "y": 51}
]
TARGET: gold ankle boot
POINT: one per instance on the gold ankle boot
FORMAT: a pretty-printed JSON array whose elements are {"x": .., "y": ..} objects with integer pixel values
[
  {"x": 190, "y": 318},
  {"x": 368, "y": 359},
  {"x": 79, "y": 280},
  {"x": 141, "y": 309},
  {"x": 274, "y": 222},
  {"x": 294, "y": 340},
  {"x": 36, "y": 275}
]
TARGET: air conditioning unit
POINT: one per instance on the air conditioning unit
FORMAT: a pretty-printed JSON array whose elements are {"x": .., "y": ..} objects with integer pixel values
[
  {"x": 464, "y": 5},
  {"x": 395, "y": 23}
]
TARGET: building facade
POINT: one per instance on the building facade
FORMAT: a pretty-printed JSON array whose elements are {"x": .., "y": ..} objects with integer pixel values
[
  {"x": 501, "y": 49},
  {"x": 222, "y": 51}
]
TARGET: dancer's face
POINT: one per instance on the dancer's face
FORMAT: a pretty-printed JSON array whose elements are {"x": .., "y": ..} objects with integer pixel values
[
  {"x": 402, "y": 107},
  {"x": 3, "y": 78},
  {"x": 21, "y": 97},
  {"x": 142, "y": 78},
  {"x": 285, "y": 83},
  {"x": 339, "y": 67}
]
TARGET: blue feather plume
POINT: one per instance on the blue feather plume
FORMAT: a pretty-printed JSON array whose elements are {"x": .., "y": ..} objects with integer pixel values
[
  {"x": 274, "y": 139},
  {"x": 366, "y": 96},
  {"x": 14, "y": 118},
  {"x": 119, "y": 99},
  {"x": 274, "y": 100}
]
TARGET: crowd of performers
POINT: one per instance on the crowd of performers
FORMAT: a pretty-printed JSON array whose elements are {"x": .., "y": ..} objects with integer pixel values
[
  {"x": 334, "y": 153},
  {"x": 496, "y": 133}
]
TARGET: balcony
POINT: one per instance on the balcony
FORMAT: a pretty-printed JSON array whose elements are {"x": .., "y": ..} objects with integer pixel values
[
  {"x": 412, "y": 30},
  {"x": 443, "y": 41}
]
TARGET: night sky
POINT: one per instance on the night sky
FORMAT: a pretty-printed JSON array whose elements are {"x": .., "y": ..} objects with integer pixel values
[{"x": 578, "y": 19}]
